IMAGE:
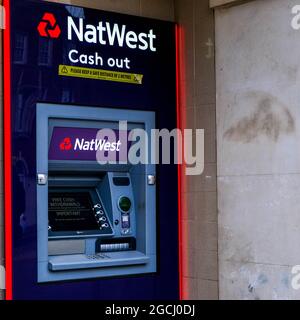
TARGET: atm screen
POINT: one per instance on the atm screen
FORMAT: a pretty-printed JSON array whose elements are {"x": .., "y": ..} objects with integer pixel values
[{"x": 71, "y": 211}]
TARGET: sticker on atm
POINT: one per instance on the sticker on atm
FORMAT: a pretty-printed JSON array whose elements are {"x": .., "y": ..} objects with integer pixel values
[
  {"x": 88, "y": 144},
  {"x": 99, "y": 74}
]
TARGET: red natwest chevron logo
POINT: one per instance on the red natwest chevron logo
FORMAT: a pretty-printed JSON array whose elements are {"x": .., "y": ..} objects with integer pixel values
[
  {"x": 66, "y": 144},
  {"x": 48, "y": 27}
]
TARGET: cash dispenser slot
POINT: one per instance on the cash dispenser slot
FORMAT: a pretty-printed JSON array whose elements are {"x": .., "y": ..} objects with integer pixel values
[{"x": 73, "y": 262}]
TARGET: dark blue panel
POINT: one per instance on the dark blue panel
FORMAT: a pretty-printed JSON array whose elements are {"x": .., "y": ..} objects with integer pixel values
[{"x": 34, "y": 81}]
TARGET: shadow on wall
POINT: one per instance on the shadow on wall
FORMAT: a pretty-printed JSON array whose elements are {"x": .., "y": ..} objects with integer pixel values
[{"x": 270, "y": 118}]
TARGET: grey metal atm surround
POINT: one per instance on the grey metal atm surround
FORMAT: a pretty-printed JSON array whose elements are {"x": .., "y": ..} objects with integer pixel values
[{"x": 117, "y": 252}]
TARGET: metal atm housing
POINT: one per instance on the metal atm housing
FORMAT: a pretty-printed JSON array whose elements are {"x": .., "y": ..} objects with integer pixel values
[{"x": 94, "y": 220}]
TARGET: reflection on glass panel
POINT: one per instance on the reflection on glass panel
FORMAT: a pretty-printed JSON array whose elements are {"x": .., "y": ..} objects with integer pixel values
[
  {"x": 67, "y": 48},
  {"x": 20, "y": 48},
  {"x": 45, "y": 52}
]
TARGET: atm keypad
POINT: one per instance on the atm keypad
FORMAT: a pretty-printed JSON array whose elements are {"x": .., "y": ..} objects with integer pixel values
[{"x": 101, "y": 217}]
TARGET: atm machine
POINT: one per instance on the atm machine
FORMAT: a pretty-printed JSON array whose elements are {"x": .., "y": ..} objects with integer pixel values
[
  {"x": 95, "y": 220},
  {"x": 81, "y": 221}
]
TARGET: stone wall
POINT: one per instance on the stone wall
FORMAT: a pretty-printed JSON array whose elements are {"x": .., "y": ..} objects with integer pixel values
[{"x": 258, "y": 134}]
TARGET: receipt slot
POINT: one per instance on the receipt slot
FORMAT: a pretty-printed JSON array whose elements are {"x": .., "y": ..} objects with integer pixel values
[{"x": 94, "y": 219}]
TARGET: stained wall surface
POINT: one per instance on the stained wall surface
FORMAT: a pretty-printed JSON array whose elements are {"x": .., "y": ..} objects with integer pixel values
[{"x": 258, "y": 114}]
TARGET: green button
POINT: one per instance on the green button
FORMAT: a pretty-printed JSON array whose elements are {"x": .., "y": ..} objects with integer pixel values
[{"x": 125, "y": 204}]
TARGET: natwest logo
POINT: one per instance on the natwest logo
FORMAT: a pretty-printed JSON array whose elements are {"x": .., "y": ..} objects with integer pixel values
[
  {"x": 92, "y": 145},
  {"x": 48, "y": 27},
  {"x": 95, "y": 145},
  {"x": 66, "y": 144},
  {"x": 112, "y": 34}
]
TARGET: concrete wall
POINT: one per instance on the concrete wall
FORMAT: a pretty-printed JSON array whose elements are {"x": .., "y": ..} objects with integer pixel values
[
  {"x": 258, "y": 134},
  {"x": 197, "y": 103}
]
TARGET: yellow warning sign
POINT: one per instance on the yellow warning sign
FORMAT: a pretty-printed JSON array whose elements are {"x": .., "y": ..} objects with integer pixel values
[{"x": 99, "y": 74}]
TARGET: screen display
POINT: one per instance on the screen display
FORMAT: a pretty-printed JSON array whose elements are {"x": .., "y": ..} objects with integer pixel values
[{"x": 71, "y": 211}]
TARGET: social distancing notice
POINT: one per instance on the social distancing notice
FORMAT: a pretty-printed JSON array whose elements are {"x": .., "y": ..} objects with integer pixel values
[{"x": 99, "y": 74}]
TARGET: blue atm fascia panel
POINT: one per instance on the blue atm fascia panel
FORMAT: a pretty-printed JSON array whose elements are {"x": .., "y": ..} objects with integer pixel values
[
  {"x": 34, "y": 83},
  {"x": 66, "y": 175}
]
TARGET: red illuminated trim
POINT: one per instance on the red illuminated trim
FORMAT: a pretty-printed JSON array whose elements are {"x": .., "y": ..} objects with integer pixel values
[
  {"x": 7, "y": 153},
  {"x": 179, "y": 165}
]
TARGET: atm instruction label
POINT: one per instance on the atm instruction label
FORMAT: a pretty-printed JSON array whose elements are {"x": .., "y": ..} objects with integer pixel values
[{"x": 99, "y": 74}]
